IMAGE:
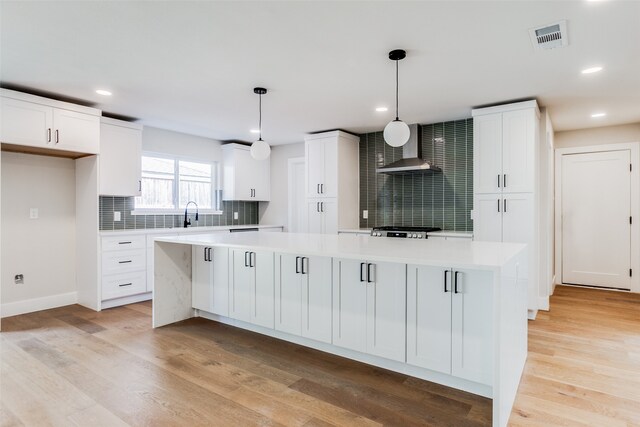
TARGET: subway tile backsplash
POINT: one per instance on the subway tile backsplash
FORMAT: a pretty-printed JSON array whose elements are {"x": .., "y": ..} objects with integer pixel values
[
  {"x": 440, "y": 200},
  {"x": 247, "y": 214}
]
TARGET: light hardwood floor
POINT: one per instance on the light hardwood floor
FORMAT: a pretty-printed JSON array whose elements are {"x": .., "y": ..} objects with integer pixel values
[{"x": 72, "y": 366}]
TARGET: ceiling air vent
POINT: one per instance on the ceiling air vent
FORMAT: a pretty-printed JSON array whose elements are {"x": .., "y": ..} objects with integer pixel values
[{"x": 550, "y": 36}]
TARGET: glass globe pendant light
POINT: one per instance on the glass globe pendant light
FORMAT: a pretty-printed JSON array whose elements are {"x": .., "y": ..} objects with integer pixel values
[
  {"x": 260, "y": 150},
  {"x": 396, "y": 133}
]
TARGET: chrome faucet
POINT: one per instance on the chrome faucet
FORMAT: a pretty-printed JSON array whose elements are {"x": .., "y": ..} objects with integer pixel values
[{"x": 187, "y": 220}]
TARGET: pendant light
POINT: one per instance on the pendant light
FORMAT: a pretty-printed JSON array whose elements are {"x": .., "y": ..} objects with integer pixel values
[
  {"x": 396, "y": 133},
  {"x": 260, "y": 150}
]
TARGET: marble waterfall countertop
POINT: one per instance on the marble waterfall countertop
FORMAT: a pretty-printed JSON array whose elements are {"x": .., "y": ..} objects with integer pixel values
[{"x": 451, "y": 253}]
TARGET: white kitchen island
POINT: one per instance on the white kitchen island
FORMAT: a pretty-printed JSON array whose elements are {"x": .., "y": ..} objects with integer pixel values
[{"x": 451, "y": 312}]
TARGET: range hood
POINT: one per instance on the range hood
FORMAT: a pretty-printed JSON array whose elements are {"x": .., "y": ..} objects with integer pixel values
[{"x": 412, "y": 161}]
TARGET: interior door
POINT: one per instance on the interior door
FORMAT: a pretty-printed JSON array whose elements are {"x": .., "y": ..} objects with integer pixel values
[
  {"x": 596, "y": 207},
  {"x": 288, "y": 294},
  {"x": 487, "y": 149},
  {"x": 349, "y": 304}
]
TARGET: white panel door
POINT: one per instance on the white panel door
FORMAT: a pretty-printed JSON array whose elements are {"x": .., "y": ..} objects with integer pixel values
[
  {"x": 349, "y": 304},
  {"x": 120, "y": 154},
  {"x": 76, "y": 131},
  {"x": 242, "y": 285},
  {"x": 487, "y": 223},
  {"x": 315, "y": 223},
  {"x": 25, "y": 123},
  {"x": 316, "y": 298},
  {"x": 472, "y": 326},
  {"x": 518, "y": 151},
  {"x": 429, "y": 291},
  {"x": 262, "y": 297},
  {"x": 487, "y": 151},
  {"x": 596, "y": 206},
  {"x": 329, "y": 211},
  {"x": 386, "y": 310},
  {"x": 314, "y": 156},
  {"x": 288, "y": 293},
  {"x": 201, "y": 278},
  {"x": 329, "y": 185}
]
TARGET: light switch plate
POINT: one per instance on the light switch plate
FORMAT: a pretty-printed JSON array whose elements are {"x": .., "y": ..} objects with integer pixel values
[
  {"x": 365, "y": 214},
  {"x": 33, "y": 213},
  {"x": 235, "y": 215},
  {"x": 117, "y": 216}
]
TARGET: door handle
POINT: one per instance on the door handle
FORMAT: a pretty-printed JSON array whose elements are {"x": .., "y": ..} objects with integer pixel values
[
  {"x": 57, "y": 136},
  {"x": 252, "y": 259},
  {"x": 504, "y": 180},
  {"x": 246, "y": 263},
  {"x": 369, "y": 280},
  {"x": 445, "y": 280},
  {"x": 362, "y": 264},
  {"x": 498, "y": 180},
  {"x": 297, "y": 264},
  {"x": 455, "y": 282},
  {"x": 505, "y": 205},
  {"x": 305, "y": 261},
  {"x": 48, "y": 134}
]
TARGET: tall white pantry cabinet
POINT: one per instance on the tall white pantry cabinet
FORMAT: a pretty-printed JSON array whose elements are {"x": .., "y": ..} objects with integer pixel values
[
  {"x": 505, "y": 168},
  {"x": 331, "y": 182}
]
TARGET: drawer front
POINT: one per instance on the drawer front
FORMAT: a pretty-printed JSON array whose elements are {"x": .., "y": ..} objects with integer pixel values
[
  {"x": 123, "y": 261},
  {"x": 122, "y": 285},
  {"x": 123, "y": 243}
]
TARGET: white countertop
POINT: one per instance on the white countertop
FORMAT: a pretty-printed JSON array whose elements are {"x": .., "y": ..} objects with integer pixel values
[
  {"x": 172, "y": 230},
  {"x": 442, "y": 233},
  {"x": 450, "y": 253}
]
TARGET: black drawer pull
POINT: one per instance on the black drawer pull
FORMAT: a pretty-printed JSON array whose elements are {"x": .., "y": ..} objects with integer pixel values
[
  {"x": 124, "y": 262},
  {"x": 125, "y": 284},
  {"x": 124, "y": 243}
]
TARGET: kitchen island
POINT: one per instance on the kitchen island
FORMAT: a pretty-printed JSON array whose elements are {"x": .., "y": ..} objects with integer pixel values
[{"x": 451, "y": 312}]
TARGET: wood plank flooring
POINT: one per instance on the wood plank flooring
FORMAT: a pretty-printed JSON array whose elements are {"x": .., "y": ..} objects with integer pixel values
[{"x": 73, "y": 366}]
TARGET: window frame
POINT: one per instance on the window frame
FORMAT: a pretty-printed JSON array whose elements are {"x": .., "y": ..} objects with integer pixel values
[{"x": 216, "y": 187}]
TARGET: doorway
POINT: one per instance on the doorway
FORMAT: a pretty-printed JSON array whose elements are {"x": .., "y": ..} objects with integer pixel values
[
  {"x": 596, "y": 203},
  {"x": 296, "y": 180}
]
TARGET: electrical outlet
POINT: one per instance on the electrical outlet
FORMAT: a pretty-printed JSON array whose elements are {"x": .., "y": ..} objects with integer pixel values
[
  {"x": 117, "y": 216},
  {"x": 19, "y": 279},
  {"x": 365, "y": 214},
  {"x": 33, "y": 213},
  {"x": 235, "y": 215}
]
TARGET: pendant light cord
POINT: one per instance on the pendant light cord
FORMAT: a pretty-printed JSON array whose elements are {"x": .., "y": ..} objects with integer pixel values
[
  {"x": 397, "y": 90},
  {"x": 260, "y": 119}
]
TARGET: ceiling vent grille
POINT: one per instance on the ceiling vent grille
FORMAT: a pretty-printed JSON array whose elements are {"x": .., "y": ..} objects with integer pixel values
[{"x": 550, "y": 36}]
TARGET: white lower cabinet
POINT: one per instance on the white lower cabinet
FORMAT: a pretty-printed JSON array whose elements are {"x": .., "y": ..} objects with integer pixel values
[
  {"x": 303, "y": 296},
  {"x": 369, "y": 307},
  {"x": 123, "y": 266},
  {"x": 210, "y": 279},
  {"x": 322, "y": 216},
  {"x": 449, "y": 321},
  {"x": 252, "y": 287}
]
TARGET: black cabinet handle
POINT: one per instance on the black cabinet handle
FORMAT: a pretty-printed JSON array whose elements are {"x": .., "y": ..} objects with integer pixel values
[
  {"x": 125, "y": 284},
  {"x": 317, "y": 206},
  {"x": 505, "y": 205},
  {"x": 318, "y": 188},
  {"x": 57, "y": 136},
  {"x": 246, "y": 263},
  {"x": 297, "y": 264},
  {"x": 369, "y": 280},
  {"x": 498, "y": 180},
  {"x": 504, "y": 180},
  {"x": 124, "y": 262},
  {"x": 321, "y": 188},
  {"x": 124, "y": 243},
  {"x": 321, "y": 206},
  {"x": 139, "y": 185},
  {"x": 252, "y": 259},
  {"x": 49, "y": 135},
  {"x": 304, "y": 270},
  {"x": 455, "y": 282},
  {"x": 362, "y": 264},
  {"x": 445, "y": 280},
  {"x": 205, "y": 254}
]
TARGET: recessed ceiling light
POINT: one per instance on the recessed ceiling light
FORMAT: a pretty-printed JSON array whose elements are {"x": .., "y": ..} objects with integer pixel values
[
  {"x": 103, "y": 92},
  {"x": 596, "y": 115},
  {"x": 591, "y": 70},
  {"x": 382, "y": 109},
  {"x": 255, "y": 131}
]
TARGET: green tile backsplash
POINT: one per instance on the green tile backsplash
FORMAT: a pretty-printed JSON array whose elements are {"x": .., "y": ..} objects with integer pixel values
[
  {"x": 440, "y": 200},
  {"x": 247, "y": 214}
]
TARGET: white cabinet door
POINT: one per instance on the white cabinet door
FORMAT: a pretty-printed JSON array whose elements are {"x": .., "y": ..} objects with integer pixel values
[
  {"x": 487, "y": 151},
  {"x": 76, "y": 131},
  {"x": 329, "y": 211},
  {"x": 25, "y": 123},
  {"x": 472, "y": 326},
  {"x": 262, "y": 297},
  {"x": 329, "y": 183},
  {"x": 316, "y": 298},
  {"x": 261, "y": 184},
  {"x": 349, "y": 304},
  {"x": 242, "y": 285},
  {"x": 314, "y": 217},
  {"x": 314, "y": 155},
  {"x": 288, "y": 291},
  {"x": 220, "y": 277},
  {"x": 487, "y": 223},
  {"x": 201, "y": 278},
  {"x": 386, "y": 310},
  {"x": 243, "y": 175},
  {"x": 120, "y": 154},
  {"x": 429, "y": 291},
  {"x": 518, "y": 151}
]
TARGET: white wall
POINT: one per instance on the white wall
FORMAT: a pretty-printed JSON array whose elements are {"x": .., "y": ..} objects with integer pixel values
[
  {"x": 546, "y": 208},
  {"x": 276, "y": 211},
  {"x": 596, "y": 136},
  {"x": 42, "y": 249},
  {"x": 180, "y": 144}
]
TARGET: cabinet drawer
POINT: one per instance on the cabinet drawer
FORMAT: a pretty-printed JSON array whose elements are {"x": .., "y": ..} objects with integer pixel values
[
  {"x": 119, "y": 243},
  {"x": 122, "y": 285},
  {"x": 123, "y": 261}
]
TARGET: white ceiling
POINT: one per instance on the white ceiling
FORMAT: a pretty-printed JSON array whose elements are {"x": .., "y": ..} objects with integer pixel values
[{"x": 191, "y": 66}]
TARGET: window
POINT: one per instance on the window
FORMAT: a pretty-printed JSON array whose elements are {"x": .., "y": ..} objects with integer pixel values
[{"x": 168, "y": 183}]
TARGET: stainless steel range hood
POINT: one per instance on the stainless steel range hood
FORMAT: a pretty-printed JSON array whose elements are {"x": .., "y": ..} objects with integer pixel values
[{"x": 412, "y": 161}]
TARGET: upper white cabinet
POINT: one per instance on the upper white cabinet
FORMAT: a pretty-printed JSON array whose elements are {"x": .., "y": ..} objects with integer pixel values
[
  {"x": 120, "y": 154},
  {"x": 332, "y": 181},
  {"x": 41, "y": 123},
  {"x": 369, "y": 307},
  {"x": 504, "y": 144},
  {"x": 244, "y": 177}
]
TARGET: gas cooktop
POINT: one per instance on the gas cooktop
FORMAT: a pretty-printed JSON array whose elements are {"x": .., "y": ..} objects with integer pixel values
[{"x": 403, "y": 232}]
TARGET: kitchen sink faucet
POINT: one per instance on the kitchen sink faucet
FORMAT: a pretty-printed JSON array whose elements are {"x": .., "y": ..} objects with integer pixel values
[{"x": 187, "y": 220}]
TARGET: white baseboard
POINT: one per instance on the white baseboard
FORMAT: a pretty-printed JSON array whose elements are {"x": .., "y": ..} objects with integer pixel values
[
  {"x": 553, "y": 284},
  {"x": 531, "y": 314},
  {"x": 116, "y": 302},
  {"x": 543, "y": 303},
  {"x": 37, "y": 304}
]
